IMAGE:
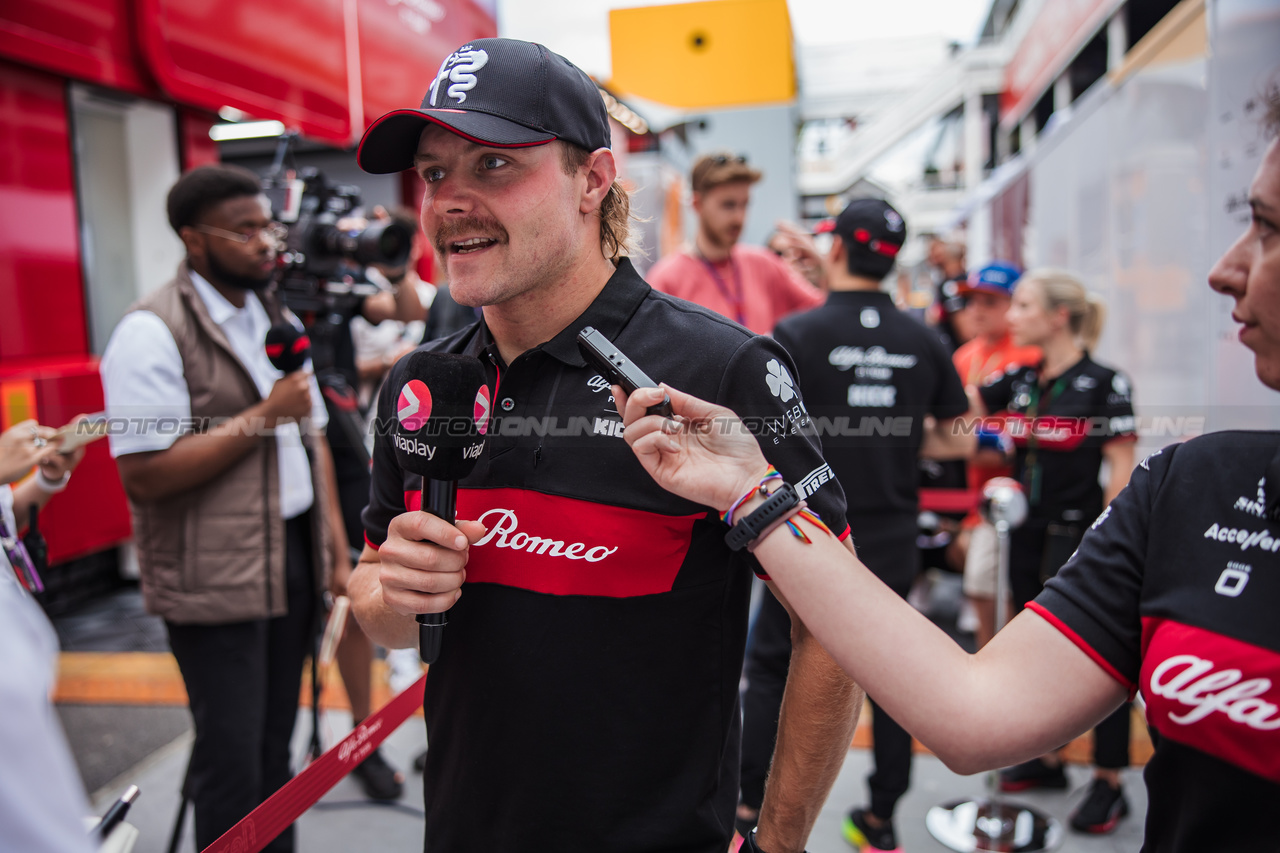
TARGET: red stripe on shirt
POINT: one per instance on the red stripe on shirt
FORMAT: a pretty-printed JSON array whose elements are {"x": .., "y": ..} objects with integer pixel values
[
  {"x": 1083, "y": 645},
  {"x": 564, "y": 546}
]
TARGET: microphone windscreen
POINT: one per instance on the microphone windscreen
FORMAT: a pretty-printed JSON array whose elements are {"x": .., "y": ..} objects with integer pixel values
[
  {"x": 442, "y": 415},
  {"x": 287, "y": 347}
]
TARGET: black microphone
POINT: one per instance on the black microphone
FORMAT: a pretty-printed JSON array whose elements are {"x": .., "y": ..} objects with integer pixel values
[
  {"x": 442, "y": 415},
  {"x": 287, "y": 347}
]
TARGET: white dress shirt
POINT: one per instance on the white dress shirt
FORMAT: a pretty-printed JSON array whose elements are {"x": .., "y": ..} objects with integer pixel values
[
  {"x": 148, "y": 403},
  {"x": 42, "y": 800}
]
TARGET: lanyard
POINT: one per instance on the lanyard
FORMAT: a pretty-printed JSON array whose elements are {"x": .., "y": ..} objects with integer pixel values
[
  {"x": 23, "y": 565},
  {"x": 1034, "y": 468},
  {"x": 734, "y": 299}
]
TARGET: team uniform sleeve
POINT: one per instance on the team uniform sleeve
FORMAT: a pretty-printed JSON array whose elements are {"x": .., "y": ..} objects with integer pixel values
[
  {"x": 1117, "y": 408},
  {"x": 147, "y": 401},
  {"x": 997, "y": 391},
  {"x": 760, "y": 386},
  {"x": 386, "y": 487},
  {"x": 1094, "y": 600}
]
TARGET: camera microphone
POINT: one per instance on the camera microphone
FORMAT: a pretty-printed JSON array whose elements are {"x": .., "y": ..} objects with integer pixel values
[
  {"x": 287, "y": 348},
  {"x": 442, "y": 415}
]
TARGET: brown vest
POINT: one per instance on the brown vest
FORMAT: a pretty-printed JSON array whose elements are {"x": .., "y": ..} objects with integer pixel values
[{"x": 216, "y": 553}]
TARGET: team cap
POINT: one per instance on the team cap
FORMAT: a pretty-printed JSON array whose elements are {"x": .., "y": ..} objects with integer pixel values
[
  {"x": 997, "y": 277},
  {"x": 499, "y": 92}
]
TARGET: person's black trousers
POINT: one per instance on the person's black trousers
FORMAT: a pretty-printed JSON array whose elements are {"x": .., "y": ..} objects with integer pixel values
[
  {"x": 1026, "y": 562},
  {"x": 243, "y": 681},
  {"x": 888, "y": 548}
]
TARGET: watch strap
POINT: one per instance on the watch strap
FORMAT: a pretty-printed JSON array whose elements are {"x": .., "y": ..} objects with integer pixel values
[{"x": 775, "y": 508}]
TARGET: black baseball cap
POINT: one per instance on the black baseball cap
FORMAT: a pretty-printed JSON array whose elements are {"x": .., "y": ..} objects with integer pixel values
[
  {"x": 873, "y": 223},
  {"x": 499, "y": 92}
]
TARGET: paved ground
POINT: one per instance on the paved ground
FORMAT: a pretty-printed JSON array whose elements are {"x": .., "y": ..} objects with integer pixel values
[{"x": 116, "y": 745}]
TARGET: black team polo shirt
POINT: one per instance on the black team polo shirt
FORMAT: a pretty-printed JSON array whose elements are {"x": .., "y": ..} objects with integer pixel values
[
  {"x": 1173, "y": 593},
  {"x": 586, "y": 697}
]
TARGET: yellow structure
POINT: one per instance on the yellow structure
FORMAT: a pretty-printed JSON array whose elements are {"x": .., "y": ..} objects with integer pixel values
[{"x": 721, "y": 53}]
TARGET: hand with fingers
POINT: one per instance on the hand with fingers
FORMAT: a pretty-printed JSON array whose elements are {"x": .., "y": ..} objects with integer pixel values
[
  {"x": 423, "y": 562},
  {"x": 705, "y": 454},
  {"x": 24, "y": 446}
]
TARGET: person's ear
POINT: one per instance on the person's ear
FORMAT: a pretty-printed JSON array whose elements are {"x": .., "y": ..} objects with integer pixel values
[
  {"x": 192, "y": 240},
  {"x": 601, "y": 172}
]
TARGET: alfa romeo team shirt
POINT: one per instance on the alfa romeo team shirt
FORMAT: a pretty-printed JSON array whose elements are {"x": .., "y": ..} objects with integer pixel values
[
  {"x": 1059, "y": 431},
  {"x": 871, "y": 374},
  {"x": 586, "y": 697},
  {"x": 1173, "y": 592}
]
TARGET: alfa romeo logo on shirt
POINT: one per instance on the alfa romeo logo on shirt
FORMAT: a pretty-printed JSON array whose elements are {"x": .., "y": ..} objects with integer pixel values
[
  {"x": 414, "y": 406},
  {"x": 482, "y": 409},
  {"x": 780, "y": 382}
]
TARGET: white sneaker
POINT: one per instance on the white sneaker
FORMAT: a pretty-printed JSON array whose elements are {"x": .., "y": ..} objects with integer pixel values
[{"x": 405, "y": 668}]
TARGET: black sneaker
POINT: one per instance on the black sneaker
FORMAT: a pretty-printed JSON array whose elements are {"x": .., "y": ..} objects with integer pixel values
[
  {"x": 862, "y": 836},
  {"x": 1101, "y": 808},
  {"x": 1032, "y": 774},
  {"x": 378, "y": 779}
]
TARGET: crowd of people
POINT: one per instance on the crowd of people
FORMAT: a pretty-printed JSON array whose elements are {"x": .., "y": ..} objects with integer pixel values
[{"x": 588, "y": 694}]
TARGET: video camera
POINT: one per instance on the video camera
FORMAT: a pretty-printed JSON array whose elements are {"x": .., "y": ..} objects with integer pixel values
[{"x": 317, "y": 253}]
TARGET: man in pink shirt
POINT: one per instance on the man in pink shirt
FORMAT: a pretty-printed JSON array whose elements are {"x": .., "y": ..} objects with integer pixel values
[{"x": 749, "y": 285}]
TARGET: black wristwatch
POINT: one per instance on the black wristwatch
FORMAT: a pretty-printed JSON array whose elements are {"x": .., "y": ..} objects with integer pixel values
[
  {"x": 776, "y": 506},
  {"x": 749, "y": 844}
]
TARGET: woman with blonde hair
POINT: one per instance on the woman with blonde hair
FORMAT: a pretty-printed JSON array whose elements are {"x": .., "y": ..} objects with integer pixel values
[{"x": 1066, "y": 415}]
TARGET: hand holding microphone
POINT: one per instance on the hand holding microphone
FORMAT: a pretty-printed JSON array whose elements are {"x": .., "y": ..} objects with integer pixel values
[
  {"x": 289, "y": 349},
  {"x": 442, "y": 414}
]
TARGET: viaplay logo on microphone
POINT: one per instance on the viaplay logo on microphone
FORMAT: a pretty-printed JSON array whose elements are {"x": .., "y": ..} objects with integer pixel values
[
  {"x": 414, "y": 407},
  {"x": 482, "y": 409}
]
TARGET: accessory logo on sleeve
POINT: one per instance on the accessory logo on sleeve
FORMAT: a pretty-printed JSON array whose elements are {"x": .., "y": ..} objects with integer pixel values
[
  {"x": 459, "y": 69},
  {"x": 781, "y": 385}
]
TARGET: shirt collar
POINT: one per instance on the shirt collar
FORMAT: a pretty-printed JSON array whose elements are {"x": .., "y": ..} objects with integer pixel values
[
  {"x": 838, "y": 297},
  {"x": 608, "y": 313},
  {"x": 220, "y": 310}
]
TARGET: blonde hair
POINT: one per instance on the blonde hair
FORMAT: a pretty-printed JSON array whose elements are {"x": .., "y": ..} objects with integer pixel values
[
  {"x": 1086, "y": 312},
  {"x": 616, "y": 239}
]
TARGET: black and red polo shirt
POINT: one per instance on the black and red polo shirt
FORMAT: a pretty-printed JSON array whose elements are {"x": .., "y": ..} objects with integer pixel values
[
  {"x": 1059, "y": 428},
  {"x": 586, "y": 697},
  {"x": 1174, "y": 592}
]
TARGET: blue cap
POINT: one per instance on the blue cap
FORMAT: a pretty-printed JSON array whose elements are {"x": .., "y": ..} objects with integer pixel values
[{"x": 996, "y": 277}]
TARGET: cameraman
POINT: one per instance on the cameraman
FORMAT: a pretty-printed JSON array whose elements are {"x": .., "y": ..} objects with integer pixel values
[{"x": 339, "y": 375}]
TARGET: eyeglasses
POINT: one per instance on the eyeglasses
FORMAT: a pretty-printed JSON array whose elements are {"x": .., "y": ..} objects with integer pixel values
[
  {"x": 273, "y": 233},
  {"x": 725, "y": 160}
]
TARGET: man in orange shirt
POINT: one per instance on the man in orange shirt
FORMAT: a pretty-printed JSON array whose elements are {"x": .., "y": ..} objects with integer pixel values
[
  {"x": 988, "y": 292},
  {"x": 750, "y": 285}
]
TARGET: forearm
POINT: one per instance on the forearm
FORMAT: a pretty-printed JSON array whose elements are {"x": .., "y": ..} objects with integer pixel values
[
  {"x": 383, "y": 625},
  {"x": 193, "y": 459},
  {"x": 926, "y": 682},
  {"x": 948, "y": 440},
  {"x": 23, "y": 497},
  {"x": 815, "y": 726}
]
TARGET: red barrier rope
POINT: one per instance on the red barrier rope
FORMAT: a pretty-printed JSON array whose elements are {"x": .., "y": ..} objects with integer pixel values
[
  {"x": 257, "y": 829},
  {"x": 948, "y": 500}
]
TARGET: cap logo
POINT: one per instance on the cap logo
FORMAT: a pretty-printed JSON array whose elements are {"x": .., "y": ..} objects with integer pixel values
[
  {"x": 458, "y": 68},
  {"x": 414, "y": 406},
  {"x": 893, "y": 220}
]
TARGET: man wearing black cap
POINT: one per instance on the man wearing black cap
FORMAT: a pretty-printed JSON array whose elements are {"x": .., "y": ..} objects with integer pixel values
[
  {"x": 883, "y": 391},
  {"x": 586, "y": 695}
]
